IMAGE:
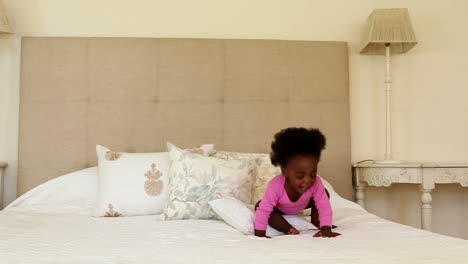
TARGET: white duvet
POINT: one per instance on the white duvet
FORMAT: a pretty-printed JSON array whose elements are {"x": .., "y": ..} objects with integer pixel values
[{"x": 52, "y": 224}]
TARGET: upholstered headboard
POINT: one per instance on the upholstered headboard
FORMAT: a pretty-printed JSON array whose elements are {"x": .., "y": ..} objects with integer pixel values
[{"x": 133, "y": 94}]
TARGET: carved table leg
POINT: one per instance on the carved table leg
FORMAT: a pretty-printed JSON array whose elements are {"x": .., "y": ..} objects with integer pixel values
[
  {"x": 426, "y": 209},
  {"x": 360, "y": 195}
]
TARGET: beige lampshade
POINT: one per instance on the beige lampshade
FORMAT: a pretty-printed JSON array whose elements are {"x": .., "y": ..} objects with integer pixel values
[
  {"x": 391, "y": 26},
  {"x": 4, "y": 24}
]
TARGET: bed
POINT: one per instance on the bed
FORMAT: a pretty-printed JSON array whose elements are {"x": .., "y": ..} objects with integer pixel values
[
  {"x": 52, "y": 224},
  {"x": 135, "y": 94}
]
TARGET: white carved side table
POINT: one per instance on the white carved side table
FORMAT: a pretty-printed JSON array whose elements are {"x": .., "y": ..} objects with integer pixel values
[
  {"x": 424, "y": 174},
  {"x": 3, "y": 165}
]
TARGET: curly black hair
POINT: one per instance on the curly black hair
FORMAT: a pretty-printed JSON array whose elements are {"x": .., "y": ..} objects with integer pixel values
[{"x": 296, "y": 141}]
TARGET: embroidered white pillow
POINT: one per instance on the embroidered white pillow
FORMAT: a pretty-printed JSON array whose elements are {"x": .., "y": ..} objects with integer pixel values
[
  {"x": 239, "y": 216},
  {"x": 195, "y": 180},
  {"x": 133, "y": 183}
]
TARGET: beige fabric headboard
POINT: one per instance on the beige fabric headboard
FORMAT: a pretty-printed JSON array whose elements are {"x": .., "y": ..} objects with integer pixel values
[{"x": 133, "y": 94}]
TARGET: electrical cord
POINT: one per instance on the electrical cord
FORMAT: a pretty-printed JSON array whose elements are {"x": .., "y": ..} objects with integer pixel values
[{"x": 364, "y": 161}]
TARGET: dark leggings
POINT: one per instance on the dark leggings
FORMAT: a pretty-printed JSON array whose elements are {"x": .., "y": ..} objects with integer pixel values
[{"x": 278, "y": 222}]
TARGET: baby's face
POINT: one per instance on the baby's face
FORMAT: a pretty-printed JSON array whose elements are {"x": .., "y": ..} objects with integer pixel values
[{"x": 301, "y": 172}]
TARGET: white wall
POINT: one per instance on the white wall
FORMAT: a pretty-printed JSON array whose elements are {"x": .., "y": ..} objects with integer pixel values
[
  {"x": 9, "y": 106},
  {"x": 430, "y": 87}
]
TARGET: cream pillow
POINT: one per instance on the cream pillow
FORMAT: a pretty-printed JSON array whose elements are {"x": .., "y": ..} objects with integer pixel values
[
  {"x": 239, "y": 216},
  {"x": 266, "y": 171},
  {"x": 133, "y": 183},
  {"x": 263, "y": 170},
  {"x": 195, "y": 180}
]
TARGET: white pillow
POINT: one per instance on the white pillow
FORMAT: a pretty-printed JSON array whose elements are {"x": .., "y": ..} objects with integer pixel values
[
  {"x": 74, "y": 193},
  {"x": 133, "y": 183},
  {"x": 195, "y": 180},
  {"x": 236, "y": 214}
]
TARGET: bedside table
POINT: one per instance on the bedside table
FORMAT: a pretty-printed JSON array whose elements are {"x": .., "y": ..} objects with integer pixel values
[
  {"x": 3, "y": 165},
  {"x": 424, "y": 174}
]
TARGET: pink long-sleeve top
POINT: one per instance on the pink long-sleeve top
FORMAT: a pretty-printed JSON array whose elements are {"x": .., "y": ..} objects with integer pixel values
[{"x": 276, "y": 196}]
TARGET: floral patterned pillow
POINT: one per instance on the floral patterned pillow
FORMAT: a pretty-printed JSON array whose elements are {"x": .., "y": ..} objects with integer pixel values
[
  {"x": 263, "y": 171},
  {"x": 195, "y": 180}
]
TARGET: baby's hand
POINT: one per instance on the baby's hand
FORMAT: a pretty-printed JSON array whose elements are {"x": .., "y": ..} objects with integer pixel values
[
  {"x": 293, "y": 231},
  {"x": 325, "y": 231},
  {"x": 261, "y": 233}
]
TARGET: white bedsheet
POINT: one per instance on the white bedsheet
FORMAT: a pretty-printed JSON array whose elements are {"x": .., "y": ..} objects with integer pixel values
[{"x": 42, "y": 234}]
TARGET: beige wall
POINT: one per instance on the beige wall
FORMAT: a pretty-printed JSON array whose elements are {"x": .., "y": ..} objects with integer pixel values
[{"x": 430, "y": 84}]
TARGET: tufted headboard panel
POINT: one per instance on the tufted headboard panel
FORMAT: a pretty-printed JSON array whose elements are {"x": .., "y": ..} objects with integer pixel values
[{"x": 134, "y": 94}]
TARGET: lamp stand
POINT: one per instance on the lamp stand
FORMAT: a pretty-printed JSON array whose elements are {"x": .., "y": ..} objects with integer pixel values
[{"x": 388, "y": 117}]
